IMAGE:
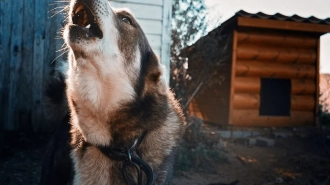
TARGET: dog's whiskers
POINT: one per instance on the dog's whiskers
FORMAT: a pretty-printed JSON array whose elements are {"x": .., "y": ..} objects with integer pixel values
[
  {"x": 59, "y": 7},
  {"x": 63, "y": 49},
  {"x": 64, "y": 46},
  {"x": 65, "y": 20},
  {"x": 67, "y": 49},
  {"x": 56, "y": 11},
  {"x": 59, "y": 33},
  {"x": 64, "y": 1}
]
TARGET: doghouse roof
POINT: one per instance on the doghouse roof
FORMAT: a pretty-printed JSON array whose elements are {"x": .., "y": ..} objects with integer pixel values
[
  {"x": 243, "y": 19},
  {"x": 281, "y": 17},
  {"x": 278, "y": 22}
]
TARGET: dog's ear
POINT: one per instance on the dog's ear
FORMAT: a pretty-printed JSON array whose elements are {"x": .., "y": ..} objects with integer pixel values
[{"x": 155, "y": 82}]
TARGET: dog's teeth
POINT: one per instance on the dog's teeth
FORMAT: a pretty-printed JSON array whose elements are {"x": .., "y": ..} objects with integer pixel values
[
  {"x": 88, "y": 26},
  {"x": 79, "y": 8}
]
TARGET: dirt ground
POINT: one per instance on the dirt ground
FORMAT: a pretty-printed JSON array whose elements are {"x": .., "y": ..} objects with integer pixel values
[
  {"x": 301, "y": 159},
  {"x": 21, "y": 154}
]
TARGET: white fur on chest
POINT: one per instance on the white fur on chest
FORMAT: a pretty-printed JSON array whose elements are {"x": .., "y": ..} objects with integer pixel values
[{"x": 102, "y": 92}]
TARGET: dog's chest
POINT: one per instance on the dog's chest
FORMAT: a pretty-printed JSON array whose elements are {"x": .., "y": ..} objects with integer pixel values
[{"x": 92, "y": 167}]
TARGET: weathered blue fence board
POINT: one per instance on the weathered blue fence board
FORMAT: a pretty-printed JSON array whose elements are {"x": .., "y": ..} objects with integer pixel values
[
  {"x": 38, "y": 60},
  {"x": 5, "y": 59},
  {"x": 26, "y": 65},
  {"x": 2, "y": 63},
  {"x": 27, "y": 49},
  {"x": 15, "y": 63}
]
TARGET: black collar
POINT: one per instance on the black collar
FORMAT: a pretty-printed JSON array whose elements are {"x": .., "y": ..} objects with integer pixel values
[{"x": 130, "y": 158}]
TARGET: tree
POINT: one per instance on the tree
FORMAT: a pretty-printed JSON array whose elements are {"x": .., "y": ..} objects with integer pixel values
[{"x": 188, "y": 23}]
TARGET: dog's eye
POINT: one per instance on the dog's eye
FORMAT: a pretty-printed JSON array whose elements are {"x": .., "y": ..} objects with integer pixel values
[{"x": 127, "y": 20}]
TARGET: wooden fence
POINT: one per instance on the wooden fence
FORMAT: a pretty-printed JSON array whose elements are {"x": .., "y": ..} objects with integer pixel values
[{"x": 28, "y": 45}]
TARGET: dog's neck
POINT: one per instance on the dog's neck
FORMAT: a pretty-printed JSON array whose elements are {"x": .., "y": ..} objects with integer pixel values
[
  {"x": 101, "y": 86},
  {"x": 94, "y": 98}
]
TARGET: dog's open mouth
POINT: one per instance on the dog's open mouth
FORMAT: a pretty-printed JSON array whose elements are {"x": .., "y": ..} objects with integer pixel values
[{"x": 83, "y": 17}]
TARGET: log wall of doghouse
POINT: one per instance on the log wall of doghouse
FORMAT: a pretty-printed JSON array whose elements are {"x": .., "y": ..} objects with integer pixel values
[
  {"x": 275, "y": 55},
  {"x": 208, "y": 105}
]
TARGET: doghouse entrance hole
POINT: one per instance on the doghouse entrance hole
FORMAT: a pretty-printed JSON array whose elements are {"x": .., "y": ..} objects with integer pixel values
[{"x": 275, "y": 99}]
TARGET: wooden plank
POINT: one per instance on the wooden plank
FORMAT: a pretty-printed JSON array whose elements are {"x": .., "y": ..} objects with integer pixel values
[
  {"x": 38, "y": 61},
  {"x": 303, "y": 87},
  {"x": 252, "y": 118},
  {"x": 302, "y": 103},
  {"x": 252, "y": 101},
  {"x": 49, "y": 54},
  {"x": 252, "y": 85},
  {"x": 26, "y": 71},
  {"x": 317, "y": 81},
  {"x": 49, "y": 44},
  {"x": 197, "y": 114},
  {"x": 277, "y": 54},
  {"x": 282, "y": 25},
  {"x": 207, "y": 113},
  {"x": 166, "y": 37},
  {"x": 194, "y": 110},
  {"x": 144, "y": 2},
  {"x": 141, "y": 11},
  {"x": 155, "y": 41},
  {"x": 247, "y": 85},
  {"x": 246, "y": 101},
  {"x": 209, "y": 99},
  {"x": 232, "y": 77},
  {"x": 5, "y": 24},
  {"x": 59, "y": 42},
  {"x": 151, "y": 26},
  {"x": 274, "y": 70},
  {"x": 15, "y": 64},
  {"x": 1, "y": 66},
  {"x": 276, "y": 39}
]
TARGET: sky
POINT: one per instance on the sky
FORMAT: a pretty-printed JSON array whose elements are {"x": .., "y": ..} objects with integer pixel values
[{"x": 221, "y": 10}]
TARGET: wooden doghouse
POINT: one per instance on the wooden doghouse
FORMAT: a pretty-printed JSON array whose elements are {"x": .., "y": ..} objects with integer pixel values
[{"x": 270, "y": 67}]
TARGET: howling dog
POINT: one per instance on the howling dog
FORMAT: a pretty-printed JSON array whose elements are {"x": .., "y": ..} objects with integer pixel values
[{"x": 120, "y": 122}]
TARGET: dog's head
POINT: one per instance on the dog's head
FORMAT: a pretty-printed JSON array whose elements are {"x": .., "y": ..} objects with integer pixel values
[{"x": 108, "y": 48}]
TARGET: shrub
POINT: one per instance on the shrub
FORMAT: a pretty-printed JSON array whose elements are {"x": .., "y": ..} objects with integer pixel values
[{"x": 197, "y": 152}]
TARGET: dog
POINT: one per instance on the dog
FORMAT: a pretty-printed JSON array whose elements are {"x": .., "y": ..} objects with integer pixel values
[{"x": 121, "y": 124}]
